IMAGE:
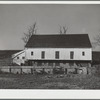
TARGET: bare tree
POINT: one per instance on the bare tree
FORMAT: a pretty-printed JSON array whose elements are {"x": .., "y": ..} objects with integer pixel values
[
  {"x": 31, "y": 31},
  {"x": 93, "y": 45},
  {"x": 63, "y": 29},
  {"x": 96, "y": 41}
]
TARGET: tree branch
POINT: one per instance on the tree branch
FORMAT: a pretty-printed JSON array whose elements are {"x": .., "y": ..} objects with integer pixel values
[
  {"x": 31, "y": 31},
  {"x": 63, "y": 30}
]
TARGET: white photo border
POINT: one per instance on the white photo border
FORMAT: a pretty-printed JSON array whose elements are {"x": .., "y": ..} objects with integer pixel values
[{"x": 49, "y": 94}]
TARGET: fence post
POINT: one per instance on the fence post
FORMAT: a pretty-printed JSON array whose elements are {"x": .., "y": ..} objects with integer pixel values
[
  {"x": 10, "y": 70},
  {"x": 64, "y": 71},
  {"x": 0, "y": 70},
  {"x": 31, "y": 70},
  {"x": 21, "y": 70},
  {"x": 34, "y": 71},
  {"x": 51, "y": 70}
]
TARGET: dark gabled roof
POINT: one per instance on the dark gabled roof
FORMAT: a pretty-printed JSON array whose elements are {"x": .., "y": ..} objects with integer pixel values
[
  {"x": 7, "y": 53},
  {"x": 96, "y": 56},
  {"x": 59, "y": 41},
  {"x": 18, "y": 53}
]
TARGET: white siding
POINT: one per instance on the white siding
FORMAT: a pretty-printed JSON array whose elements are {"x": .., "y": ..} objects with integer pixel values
[
  {"x": 64, "y": 53},
  {"x": 20, "y": 60}
]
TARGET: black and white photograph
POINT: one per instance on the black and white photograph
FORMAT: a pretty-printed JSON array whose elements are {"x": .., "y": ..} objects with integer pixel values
[{"x": 50, "y": 46}]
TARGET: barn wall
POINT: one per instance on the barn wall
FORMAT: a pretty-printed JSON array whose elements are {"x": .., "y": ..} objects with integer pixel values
[{"x": 64, "y": 53}]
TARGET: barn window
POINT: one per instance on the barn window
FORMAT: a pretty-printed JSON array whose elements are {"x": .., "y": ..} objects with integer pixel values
[
  {"x": 83, "y": 53},
  {"x": 57, "y": 54},
  {"x": 23, "y": 57},
  {"x": 43, "y": 54},
  {"x": 31, "y": 53},
  {"x": 17, "y": 57},
  {"x": 71, "y": 55}
]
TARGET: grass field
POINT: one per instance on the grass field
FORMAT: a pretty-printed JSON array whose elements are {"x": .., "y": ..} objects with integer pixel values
[{"x": 15, "y": 81}]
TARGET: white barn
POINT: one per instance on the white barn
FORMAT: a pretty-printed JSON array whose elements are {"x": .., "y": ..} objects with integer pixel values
[{"x": 59, "y": 49}]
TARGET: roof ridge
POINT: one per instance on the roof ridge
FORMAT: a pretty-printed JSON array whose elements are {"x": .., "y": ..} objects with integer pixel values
[
  {"x": 57, "y": 34},
  {"x": 10, "y": 50}
]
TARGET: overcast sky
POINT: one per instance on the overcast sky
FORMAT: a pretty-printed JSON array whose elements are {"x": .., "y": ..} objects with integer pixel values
[{"x": 16, "y": 19}]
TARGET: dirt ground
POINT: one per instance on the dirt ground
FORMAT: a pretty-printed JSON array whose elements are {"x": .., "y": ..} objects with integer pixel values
[{"x": 73, "y": 81}]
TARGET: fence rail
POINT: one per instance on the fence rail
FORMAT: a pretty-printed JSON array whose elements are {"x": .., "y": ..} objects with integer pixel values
[{"x": 38, "y": 69}]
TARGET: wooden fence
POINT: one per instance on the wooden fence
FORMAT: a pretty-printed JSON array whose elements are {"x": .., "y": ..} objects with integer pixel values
[{"x": 42, "y": 69}]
